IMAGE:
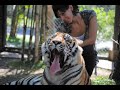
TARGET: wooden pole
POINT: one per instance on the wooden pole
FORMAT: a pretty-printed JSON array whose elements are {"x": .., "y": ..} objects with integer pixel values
[
  {"x": 116, "y": 64},
  {"x": 37, "y": 34},
  {"x": 3, "y": 17}
]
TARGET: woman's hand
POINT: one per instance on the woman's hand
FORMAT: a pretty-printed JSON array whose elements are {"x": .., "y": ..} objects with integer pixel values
[
  {"x": 80, "y": 42},
  {"x": 92, "y": 33}
]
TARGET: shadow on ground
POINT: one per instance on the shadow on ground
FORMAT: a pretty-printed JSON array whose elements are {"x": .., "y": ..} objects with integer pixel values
[{"x": 9, "y": 73}]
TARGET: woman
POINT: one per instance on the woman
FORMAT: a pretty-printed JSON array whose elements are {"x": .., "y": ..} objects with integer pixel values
[{"x": 83, "y": 26}]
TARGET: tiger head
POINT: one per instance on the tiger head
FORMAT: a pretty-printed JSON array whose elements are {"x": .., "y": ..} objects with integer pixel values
[{"x": 60, "y": 52}]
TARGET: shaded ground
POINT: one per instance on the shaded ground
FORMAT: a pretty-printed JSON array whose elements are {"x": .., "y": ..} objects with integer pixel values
[{"x": 8, "y": 73}]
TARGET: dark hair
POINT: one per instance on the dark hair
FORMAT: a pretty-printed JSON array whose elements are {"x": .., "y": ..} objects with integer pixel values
[{"x": 63, "y": 8}]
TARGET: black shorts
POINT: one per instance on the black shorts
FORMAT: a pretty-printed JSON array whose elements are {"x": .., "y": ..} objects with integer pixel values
[{"x": 91, "y": 59}]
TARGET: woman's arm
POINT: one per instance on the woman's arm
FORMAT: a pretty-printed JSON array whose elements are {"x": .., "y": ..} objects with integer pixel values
[{"x": 92, "y": 32}]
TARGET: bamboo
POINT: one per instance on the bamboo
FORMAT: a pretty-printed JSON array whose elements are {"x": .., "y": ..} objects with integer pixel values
[
  {"x": 37, "y": 35},
  {"x": 31, "y": 34},
  {"x": 24, "y": 34}
]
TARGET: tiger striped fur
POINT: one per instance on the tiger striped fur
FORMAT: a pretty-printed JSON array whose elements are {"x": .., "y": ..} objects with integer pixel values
[{"x": 64, "y": 63}]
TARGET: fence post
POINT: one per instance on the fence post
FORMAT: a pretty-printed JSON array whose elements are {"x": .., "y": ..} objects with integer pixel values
[
  {"x": 116, "y": 69},
  {"x": 3, "y": 16}
]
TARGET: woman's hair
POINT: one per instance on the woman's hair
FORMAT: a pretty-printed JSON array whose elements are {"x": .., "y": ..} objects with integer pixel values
[{"x": 63, "y": 8}]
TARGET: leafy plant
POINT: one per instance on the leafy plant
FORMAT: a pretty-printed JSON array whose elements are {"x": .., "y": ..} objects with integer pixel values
[
  {"x": 102, "y": 80},
  {"x": 105, "y": 19}
]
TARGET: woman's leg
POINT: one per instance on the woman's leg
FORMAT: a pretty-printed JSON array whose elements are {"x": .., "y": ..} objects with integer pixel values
[{"x": 90, "y": 61}]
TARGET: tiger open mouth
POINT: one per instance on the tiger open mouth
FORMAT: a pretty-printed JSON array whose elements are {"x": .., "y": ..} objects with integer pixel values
[{"x": 56, "y": 61}]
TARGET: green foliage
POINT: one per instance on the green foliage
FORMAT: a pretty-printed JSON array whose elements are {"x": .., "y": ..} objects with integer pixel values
[
  {"x": 38, "y": 65},
  {"x": 105, "y": 19},
  {"x": 17, "y": 41},
  {"x": 102, "y": 80},
  {"x": 23, "y": 15},
  {"x": 8, "y": 21},
  {"x": 14, "y": 40},
  {"x": 28, "y": 6},
  {"x": 83, "y": 7}
]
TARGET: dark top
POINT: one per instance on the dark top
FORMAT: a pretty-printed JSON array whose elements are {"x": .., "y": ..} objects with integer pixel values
[{"x": 87, "y": 15}]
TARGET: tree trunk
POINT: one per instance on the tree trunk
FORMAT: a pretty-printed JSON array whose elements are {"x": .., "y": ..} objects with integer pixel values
[
  {"x": 116, "y": 72},
  {"x": 14, "y": 22}
]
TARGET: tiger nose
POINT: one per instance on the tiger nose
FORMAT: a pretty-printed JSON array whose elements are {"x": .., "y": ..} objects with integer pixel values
[{"x": 56, "y": 42}]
